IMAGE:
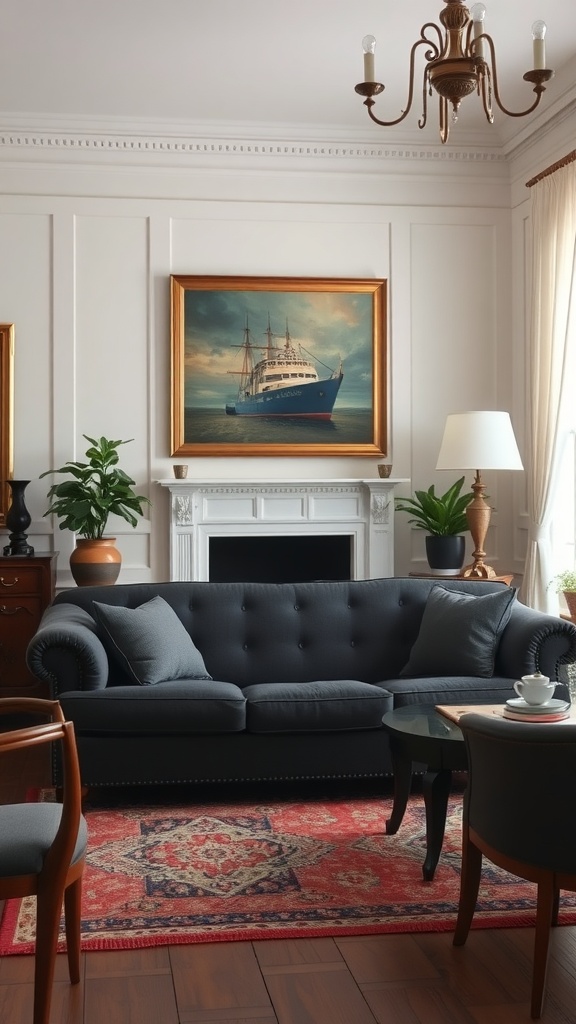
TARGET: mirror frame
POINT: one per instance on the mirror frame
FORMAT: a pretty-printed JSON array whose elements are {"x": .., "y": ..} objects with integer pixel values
[{"x": 6, "y": 415}]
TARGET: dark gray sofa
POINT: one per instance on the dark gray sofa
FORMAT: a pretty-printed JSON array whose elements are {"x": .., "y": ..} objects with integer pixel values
[{"x": 301, "y": 676}]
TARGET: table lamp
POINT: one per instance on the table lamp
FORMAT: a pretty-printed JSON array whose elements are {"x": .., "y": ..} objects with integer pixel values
[{"x": 472, "y": 440}]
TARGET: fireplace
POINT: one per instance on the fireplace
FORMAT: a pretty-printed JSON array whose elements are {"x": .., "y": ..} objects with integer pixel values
[
  {"x": 214, "y": 521},
  {"x": 279, "y": 559}
]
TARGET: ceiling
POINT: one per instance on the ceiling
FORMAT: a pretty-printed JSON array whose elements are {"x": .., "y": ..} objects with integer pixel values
[{"x": 254, "y": 62}]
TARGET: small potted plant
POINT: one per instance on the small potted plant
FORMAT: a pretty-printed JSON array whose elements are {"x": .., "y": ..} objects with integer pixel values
[
  {"x": 443, "y": 517},
  {"x": 98, "y": 489},
  {"x": 565, "y": 583}
]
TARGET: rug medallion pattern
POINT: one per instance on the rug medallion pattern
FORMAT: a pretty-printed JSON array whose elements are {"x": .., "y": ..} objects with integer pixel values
[{"x": 216, "y": 872}]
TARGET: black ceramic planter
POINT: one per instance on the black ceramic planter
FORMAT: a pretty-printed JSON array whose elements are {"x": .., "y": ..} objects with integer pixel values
[{"x": 446, "y": 554}]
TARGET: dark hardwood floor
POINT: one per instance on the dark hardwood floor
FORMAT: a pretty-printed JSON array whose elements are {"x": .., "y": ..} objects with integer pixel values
[{"x": 388, "y": 979}]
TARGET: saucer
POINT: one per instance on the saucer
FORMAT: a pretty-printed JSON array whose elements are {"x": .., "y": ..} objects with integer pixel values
[{"x": 551, "y": 706}]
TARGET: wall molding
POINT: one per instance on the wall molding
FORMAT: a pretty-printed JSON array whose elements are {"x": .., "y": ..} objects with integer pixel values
[{"x": 191, "y": 142}]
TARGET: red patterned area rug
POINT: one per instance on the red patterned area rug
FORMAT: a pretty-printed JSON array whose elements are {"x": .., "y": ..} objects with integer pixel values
[{"x": 159, "y": 875}]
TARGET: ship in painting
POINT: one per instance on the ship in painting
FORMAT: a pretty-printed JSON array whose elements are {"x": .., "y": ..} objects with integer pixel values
[{"x": 284, "y": 382}]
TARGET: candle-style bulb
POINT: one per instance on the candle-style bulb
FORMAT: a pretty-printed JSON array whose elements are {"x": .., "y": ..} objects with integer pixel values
[
  {"x": 538, "y": 45},
  {"x": 368, "y": 46}
]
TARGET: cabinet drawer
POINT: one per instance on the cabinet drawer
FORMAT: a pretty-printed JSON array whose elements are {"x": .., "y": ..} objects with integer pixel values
[
  {"x": 25, "y": 580},
  {"x": 18, "y": 622}
]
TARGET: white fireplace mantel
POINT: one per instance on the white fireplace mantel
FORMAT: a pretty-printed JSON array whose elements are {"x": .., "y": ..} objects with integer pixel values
[{"x": 361, "y": 509}]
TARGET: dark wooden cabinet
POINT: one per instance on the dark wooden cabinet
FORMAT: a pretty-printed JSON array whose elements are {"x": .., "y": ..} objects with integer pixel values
[{"x": 27, "y": 586}]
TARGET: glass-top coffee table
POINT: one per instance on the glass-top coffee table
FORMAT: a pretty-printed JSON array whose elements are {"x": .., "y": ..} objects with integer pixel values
[{"x": 420, "y": 734}]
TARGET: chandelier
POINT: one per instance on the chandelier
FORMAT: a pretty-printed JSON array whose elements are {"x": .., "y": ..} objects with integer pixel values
[{"x": 460, "y": 60}]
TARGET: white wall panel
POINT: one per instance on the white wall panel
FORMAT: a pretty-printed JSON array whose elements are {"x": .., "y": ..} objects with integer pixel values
[
  {"x": 111, "y": 353},
  {"x": 25, "y": 301}
]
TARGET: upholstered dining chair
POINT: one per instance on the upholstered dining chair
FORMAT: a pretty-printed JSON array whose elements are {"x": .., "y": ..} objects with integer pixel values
[
  {"x": 43, "y": 846},
  {"x": 517, "y": 814}
]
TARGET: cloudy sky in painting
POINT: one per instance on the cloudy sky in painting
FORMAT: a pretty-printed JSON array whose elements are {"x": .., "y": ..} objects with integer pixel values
[{"x": 331, "y": 325}]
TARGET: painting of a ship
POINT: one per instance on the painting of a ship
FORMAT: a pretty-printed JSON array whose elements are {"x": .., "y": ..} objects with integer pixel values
[{"x": 284, "y": 382}]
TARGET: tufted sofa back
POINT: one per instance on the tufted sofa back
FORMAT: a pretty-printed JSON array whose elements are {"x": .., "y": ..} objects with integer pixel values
[{"x": 265, "y": 632}]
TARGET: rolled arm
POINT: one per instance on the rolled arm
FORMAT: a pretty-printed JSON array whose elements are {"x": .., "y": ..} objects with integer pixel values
[
  {"x": 66, "y": 652},
  {"x": 535, "y": 642}
]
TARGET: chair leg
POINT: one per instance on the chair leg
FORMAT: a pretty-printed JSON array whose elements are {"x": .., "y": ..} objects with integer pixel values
[
  {"x": 48, "y": 911},
  {"x": 544, "y": 913},
  {"x": 72, "y": 908},
  {"x": 469, "y": 886}
]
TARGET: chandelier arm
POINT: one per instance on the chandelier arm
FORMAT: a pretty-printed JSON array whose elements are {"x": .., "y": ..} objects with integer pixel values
[
  {"x": 370, "y": 102},
  {"x": 538, "y": 86},
  {"x": 425, "y": 86}
]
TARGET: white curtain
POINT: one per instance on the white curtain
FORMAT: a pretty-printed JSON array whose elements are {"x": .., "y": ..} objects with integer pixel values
[{"x": 550, "y": 367}]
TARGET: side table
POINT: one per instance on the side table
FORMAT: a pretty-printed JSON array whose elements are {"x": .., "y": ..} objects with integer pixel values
[
  {"x": 418, "y": 733},
  {"x": 27, "y": 586}
]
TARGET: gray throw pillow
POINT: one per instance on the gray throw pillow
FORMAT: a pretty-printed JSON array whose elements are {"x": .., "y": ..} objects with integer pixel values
[
  {"x": 150, "y": 642},
  {"x": 459, "y": 633}
]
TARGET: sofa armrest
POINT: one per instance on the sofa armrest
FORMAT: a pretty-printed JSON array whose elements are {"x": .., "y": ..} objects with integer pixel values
[
  {"x": 535, "y": 642},
  {"x": 66, "y": 652}
]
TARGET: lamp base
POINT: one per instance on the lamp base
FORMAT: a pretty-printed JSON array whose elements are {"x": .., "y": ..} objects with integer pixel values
[{"x": 479, "y": 571}]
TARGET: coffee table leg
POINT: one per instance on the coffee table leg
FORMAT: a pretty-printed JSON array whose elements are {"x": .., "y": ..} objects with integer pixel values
[
  {"x": 402, "y": 767},
  {"x": 436, "y": 790}
]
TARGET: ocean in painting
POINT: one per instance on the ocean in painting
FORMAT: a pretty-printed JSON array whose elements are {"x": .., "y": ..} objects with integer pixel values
[{"x": 213, "y": 426}]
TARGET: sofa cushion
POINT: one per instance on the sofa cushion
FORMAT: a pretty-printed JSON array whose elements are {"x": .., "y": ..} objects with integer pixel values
[
  {"x": 150, "y": 642},
  {"x": 450, "y": 690},
  {"x": 180, "y": 707},
  {"x": 459, "y": 633},
  {"x": 321, "y": 706}
]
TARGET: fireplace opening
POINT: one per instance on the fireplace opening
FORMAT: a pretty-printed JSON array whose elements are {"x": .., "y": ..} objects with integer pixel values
[{"x": 286, "y": 559}]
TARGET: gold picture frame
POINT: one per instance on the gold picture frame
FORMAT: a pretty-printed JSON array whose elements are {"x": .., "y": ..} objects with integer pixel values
[
  {"x": 6, "y": 415},
  {"x": 325, "y": 387}
]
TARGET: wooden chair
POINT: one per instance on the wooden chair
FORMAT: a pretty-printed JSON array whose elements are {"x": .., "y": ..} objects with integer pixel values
[
  {"x": 43, "y": 847},
  {"x": 518, "y": 814}
]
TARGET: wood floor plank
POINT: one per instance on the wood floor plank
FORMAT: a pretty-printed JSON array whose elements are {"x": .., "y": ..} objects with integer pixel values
[
  {"x": 415, "y": 1003},
  {"x": 376, "y": 958},
  {"x": 217, "y": 976},
  {"x": 138, "y": 999},
  {"x": 16, "y": 1003},
  {"x": 276, "y": 952},
  {"x": 314, "y": 996},
  {"x": 125, "y": 962}
]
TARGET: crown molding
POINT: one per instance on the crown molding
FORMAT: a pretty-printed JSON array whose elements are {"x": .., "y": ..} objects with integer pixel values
[{"x": 39, "y": 138}]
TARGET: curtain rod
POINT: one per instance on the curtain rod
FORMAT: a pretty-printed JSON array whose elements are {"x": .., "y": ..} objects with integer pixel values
[{"x": 568, "y": 159}]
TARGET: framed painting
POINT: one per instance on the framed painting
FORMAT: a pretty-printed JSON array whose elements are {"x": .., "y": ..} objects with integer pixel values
[
  {"x": 6, "y": 414},
  {"x": 278, "y": 366}
]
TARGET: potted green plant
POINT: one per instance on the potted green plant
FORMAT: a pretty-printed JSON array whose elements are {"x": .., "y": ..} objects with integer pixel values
[
  {"x": 443, "y": 517},
  {"x": 98, "y": 489},
  {"x": 565, "y": 583}
]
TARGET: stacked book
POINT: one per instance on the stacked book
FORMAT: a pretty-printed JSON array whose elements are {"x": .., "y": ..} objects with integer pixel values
[{"x": 520, "y": 711}]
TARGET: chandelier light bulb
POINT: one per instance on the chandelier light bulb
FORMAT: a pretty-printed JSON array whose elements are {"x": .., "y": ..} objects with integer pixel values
[
  {"x": 538, "y": 45},
  {"x": 369, "y": 46}
]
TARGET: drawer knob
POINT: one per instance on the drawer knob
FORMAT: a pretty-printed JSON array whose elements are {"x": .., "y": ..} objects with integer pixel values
[{"x": 10, "y": 611}]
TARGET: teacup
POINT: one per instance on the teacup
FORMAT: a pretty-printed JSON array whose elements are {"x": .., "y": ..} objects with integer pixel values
[{"x": 535, "y": 689}]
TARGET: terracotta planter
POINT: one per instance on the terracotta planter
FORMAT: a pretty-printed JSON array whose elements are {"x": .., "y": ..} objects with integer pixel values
[
  {"x": 570, "y": 598},
  {"x": 95, "y": 563}
]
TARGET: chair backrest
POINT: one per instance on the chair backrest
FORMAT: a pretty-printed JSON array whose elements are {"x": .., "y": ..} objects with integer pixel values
[
  {"x": 60, "y": 854},
  {"x": 522, "y": 777}
]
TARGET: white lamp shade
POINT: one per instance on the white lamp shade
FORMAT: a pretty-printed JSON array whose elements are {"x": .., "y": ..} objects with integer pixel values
[{"x": 479, "y": 440}]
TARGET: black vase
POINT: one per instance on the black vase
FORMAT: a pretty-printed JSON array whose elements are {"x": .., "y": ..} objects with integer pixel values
[
  {"x": 446, "y": 554},
  {"x": 18, "y": 520}
]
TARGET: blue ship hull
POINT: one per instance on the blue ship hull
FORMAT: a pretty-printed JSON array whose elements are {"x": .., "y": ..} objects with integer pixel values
[{"x": 315, "y": 401}]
